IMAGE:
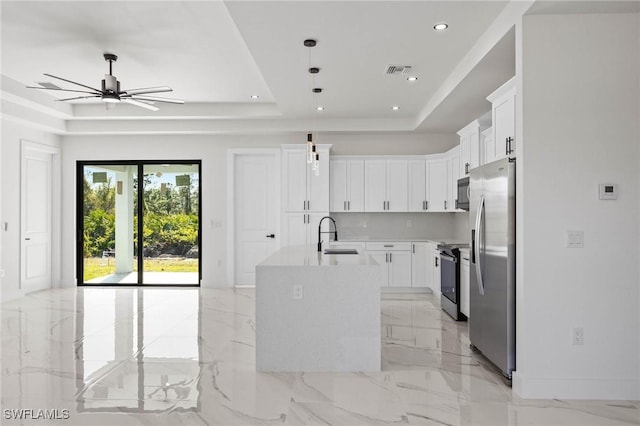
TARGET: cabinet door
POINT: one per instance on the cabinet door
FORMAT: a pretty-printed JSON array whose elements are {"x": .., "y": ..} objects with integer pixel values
[
  {"x": 504, "y": 113},
  {"x": 453, "y": 168},
  {"x": 417, "y": 185},
  {"x": 437, "y": 185},
  {"x": 318, "y": 188},
  {"x": 355, "y": 185},
  {"x": 382, "y": 258},
  {"x": 338, "y": 185},
  {"x": 430, "y": 265},
  {"x": 465, "y": 152},
  {"x": 465, "y": 269},
  {"x": 294, "y": 179},
  {"x": 397, "y": 185},
  {"x": 375, "y": 176},
  {"x": 419, "y": 261},
  {"x": 435, "y": 258},
  {"x": 294, "y": 229},
  {"x": 487, "y": 147},
  {"x": 400, "y": 269}
]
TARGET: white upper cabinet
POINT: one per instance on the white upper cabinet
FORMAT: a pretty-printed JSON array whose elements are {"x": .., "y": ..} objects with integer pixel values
[
  {"x": 302, "y": 190},
  {"x": 437, "y": 186},
  {"x": 417, "y": 185},
  {"x": 453, "y": 174},
  {"x": 469, "y": 147},
  {"x": 487, "y": 146},
  {"x": 503, "y": 114},
  {"x": 347, "y": 185},
  {"x": 385, "y": 183}
]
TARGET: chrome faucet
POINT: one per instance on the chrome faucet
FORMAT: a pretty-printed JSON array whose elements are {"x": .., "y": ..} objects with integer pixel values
[{"x": 335, "y": 231}]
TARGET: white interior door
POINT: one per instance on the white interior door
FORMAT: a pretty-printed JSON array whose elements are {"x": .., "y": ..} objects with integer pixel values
[
  {"x": 36, "y": 219},
  {"x": 256, "y": 213}
]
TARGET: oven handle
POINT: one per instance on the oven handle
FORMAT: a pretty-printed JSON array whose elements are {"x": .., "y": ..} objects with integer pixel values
[
  {"x": 448, "y": 257},
  {"x": 478, "y": 249}
]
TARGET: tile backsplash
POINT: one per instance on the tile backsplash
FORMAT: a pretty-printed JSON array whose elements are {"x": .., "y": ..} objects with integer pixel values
[{"x": 402, "y": 225}]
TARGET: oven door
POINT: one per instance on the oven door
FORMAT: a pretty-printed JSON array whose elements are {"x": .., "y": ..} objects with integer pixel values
[{"x": 449, "y": 276}]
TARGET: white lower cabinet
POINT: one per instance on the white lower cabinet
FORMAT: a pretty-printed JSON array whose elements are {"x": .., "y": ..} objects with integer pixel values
[
  {"x": 435, "y": 259},
  {"x": 465, "y": 269},
  {"x": 420, "y": 265},
  {"x": 396, "y": 260}
]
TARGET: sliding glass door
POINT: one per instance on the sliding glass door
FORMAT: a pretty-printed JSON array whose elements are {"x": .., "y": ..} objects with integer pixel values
[{"x": 136, "y": 231}]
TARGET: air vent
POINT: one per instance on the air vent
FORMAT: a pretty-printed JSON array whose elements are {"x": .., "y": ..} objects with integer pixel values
[{"x": 397, "y": 69}]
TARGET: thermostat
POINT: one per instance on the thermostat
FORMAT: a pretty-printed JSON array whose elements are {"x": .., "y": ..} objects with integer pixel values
[{"x": 608, "y": 191}]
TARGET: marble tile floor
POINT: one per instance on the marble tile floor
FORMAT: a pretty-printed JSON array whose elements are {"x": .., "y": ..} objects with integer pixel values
[{"x": 185, "y": 356}]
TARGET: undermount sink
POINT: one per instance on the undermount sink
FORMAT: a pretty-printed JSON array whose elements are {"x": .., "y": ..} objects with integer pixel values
[{"x": 340, "y": 251}]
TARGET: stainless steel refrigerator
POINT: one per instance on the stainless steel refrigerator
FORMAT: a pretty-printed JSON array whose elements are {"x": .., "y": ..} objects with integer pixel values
[{"x": 492, "y": 208}]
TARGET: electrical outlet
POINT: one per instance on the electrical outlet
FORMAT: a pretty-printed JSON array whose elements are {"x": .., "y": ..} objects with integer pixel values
[
  {"x": 297, "y": 292},
  {"x": 578, "y": 336}
]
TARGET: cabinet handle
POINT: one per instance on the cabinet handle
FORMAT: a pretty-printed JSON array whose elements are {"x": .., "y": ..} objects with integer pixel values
[
  {"x": 456, "y": 203},
  {"x": 445, "y": 204},
  {"x": 388, "y": 203},
  {"x": 344, "y": 205},
  {"x": 386, "y": 257},
  {"x": 348, "y": 205},
  {"x": 466, "y": 168},
  {"x": 426, "y": 205},
  {"x": 509, "y": 140},
  {"x": 506, "y": 146},
  {"x": 436, "y": 262},
  {"x": 390, "y": 258},
  {"x": 413, "y": 248},
  {"x": 388, "y": 245}
]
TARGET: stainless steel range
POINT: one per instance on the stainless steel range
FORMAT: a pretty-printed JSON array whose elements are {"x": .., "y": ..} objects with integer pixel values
[{"x": 450, "y": 279}]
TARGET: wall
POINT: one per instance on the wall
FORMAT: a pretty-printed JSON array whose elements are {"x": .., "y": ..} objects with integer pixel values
[
  {"x": 580, "y": 128},
  {"x": 12, "y": 134},
  {"x": 212, "y": 150}
]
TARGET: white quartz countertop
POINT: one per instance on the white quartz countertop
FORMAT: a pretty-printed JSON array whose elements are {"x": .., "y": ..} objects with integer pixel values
[{"x": 309, "y": 256}]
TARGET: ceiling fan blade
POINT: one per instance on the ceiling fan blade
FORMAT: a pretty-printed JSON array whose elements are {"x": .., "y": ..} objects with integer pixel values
[
  {"x": 140, "y": 104},
  {"x": 157, "y": 99},
  {"x": 73, "y": 82},
  {"x": 79, "y": 97},
  {"x": 63, "y": 90},
  {"x": 146, "y": 90}
]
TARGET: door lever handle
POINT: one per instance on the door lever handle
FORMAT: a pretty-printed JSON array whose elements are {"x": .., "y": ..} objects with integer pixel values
[{"x": 271, "y": 236}]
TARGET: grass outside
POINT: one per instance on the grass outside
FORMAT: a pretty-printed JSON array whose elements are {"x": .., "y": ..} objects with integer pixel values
[{"x": 95, "y": 267}]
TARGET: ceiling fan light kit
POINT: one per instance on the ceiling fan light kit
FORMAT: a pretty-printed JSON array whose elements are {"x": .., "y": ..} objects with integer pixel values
[{"x": 110, "y": 92}]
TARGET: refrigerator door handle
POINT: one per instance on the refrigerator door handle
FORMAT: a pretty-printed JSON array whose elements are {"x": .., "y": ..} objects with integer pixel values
[{"x": 478, "y": 248}]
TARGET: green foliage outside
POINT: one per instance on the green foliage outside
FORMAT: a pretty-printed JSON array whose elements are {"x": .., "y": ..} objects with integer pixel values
[{"x": 171, "y": 219}]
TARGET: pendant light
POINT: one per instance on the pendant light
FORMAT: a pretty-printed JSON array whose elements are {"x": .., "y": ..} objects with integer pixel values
[{"x": 313, "y": 157}]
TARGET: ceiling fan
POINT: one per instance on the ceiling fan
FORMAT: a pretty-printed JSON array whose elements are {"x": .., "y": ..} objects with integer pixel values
[{"x": 111, "y": 93}]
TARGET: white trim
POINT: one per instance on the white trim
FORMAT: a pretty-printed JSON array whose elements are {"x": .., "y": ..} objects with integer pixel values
[
  {"x": 595, "y": 388},
  {"x": 56, "y": 205},
  {"x": 231, "y": 158}
]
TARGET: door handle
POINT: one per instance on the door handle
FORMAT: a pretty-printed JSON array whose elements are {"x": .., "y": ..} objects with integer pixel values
[{"x": 271, "y": 236}]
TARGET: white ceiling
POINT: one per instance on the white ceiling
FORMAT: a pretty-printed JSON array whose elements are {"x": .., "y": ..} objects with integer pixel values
[{"x": 216, "y": 54}]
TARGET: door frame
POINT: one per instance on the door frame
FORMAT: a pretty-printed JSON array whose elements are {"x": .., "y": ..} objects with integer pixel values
[
  {"x": 55, "y": 255},
  {"x": 80, "y": 164},
  {"x": 232, "y": 155}
]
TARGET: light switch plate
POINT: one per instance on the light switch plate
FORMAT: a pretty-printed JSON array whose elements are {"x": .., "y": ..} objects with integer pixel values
[{"x": 575, "y": 239}]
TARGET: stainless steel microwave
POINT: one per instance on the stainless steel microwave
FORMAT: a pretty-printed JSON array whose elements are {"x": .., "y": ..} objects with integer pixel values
[{"x": 462, "y": 202}]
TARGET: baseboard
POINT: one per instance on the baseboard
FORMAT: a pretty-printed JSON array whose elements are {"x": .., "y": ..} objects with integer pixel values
[
  {"x": 425, "y": 290},
  {"x": 576, "y": 388}
]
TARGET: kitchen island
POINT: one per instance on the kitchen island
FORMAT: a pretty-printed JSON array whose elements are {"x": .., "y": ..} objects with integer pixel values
[{"x": 317, "y": 312}]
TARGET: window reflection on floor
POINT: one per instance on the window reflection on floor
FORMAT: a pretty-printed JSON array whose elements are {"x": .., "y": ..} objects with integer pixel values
[{"x": 137, "y": 351}]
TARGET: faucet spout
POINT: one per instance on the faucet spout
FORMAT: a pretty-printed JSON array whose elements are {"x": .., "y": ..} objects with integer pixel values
[{"x": 335, "y": 231}]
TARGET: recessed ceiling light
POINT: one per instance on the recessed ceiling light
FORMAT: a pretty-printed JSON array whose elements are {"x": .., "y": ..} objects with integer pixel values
[
  {"x": 319, "y": 108},
  {"x": 254, "y": 96},
  {"x": 395, "y": 107},
  {"x": 412, "y": 78},
  {"x": 440, "y": 27}
]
